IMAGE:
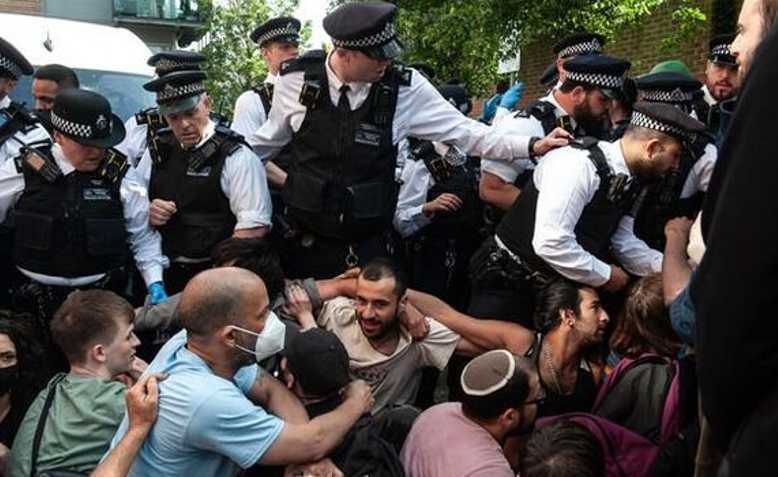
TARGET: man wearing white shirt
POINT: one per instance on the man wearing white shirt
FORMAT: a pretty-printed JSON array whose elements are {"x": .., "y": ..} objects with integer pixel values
[
  {"x": 205, "y": 185},
  {"x": 569, "y": 221},
  {"x": 76, "y": 206},
  {"x": 342, "y": 115},
  {"x": 278, "y": 39},
  {"x": 575, "y": 105}
]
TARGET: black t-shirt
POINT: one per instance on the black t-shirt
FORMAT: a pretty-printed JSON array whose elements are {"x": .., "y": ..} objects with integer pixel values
[{"x": 12, "y": 421}]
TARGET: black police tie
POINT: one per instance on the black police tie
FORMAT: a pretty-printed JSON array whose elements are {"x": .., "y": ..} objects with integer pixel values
[{"x": 343, "y": 105}]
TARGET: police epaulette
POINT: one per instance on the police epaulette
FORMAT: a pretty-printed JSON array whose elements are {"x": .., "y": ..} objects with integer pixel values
[
  {"x": 151, "y": 117},
  {"x": 40, "y": 162},
  {"x": 300, "y": 63},
  {"x": 114, "y": 166}
]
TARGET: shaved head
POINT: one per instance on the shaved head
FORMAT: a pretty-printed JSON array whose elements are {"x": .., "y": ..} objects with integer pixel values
[{"x": 219, "y": 297}]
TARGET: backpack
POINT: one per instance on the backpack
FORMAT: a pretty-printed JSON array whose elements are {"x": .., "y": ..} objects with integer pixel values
[
  {"x": 364, "y": 453},
  {"x": 626, "y": 453}
]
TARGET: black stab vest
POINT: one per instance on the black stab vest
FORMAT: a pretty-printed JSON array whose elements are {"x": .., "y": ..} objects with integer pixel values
[
  {"x": 71, "y": 227},
  {"x": 203, "y": 217},
  {"x": 340, "y": 181},
  {"x": 599, "y": 219}
]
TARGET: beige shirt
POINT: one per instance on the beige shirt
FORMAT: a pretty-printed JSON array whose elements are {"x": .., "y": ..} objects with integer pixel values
[{"x": 394, "y": 378}]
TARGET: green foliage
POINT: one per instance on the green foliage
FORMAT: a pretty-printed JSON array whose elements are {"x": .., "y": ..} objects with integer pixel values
[
  {"x": 234, "y": 64},
  {"x": 466, "y": 38}
]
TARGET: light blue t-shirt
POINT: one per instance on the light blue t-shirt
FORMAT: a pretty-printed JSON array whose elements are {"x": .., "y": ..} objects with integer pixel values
[{"x": 206, "y": 425}]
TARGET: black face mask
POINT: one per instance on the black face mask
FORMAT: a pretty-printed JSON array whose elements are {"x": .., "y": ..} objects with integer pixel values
[{"x": 8, "y": 378}]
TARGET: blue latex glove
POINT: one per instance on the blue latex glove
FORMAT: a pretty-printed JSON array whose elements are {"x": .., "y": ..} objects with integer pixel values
[
  {"x": 512, "y": 95},
  {"x": 157, "y": 293},
  {"x": 490, "y": 108}
]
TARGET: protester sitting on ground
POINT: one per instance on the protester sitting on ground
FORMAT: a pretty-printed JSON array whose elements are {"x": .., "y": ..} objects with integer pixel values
[
  {"x": 501, "y": 394},
  {"x": 569, "y": 319},
  {"x": 258, "y": 256},
  {"x": 22, "y": 374},
  {"x": 142, "y": 412},
  {"x": 79, "y": 412},
  {"x": 372, "y": 328},
  {"x": 650, "y": 391},
  {"x": 315, "y": 368},
  {"x": 563, "y": 449},
  {"x": 218, "y": 411}
]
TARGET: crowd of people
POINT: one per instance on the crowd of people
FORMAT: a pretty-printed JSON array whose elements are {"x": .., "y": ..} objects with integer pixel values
[{"x": 354, "y": 278}]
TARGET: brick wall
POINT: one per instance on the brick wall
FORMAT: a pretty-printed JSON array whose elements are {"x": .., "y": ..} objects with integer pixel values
[
  {"x": 20, "y": 6},
  {"x": 640, "y": 44}
]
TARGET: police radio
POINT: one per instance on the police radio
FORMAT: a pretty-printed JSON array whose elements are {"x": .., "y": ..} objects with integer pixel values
[
  {"x": 114, "y": 166},
  {"x": 41, "y": 163}
]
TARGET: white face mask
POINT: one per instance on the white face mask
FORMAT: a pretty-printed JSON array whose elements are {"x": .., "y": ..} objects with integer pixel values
[{"x": 269, "y": 342}]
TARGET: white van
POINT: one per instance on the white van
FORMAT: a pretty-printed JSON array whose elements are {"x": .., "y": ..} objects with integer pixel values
[{"x": 108, "y": 60}]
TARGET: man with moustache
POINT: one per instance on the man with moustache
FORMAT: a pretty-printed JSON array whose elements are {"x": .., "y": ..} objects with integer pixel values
[
  {"x": 77, "y": 205},
  {"x": 721, "y": 82},
  {"x": 579, "y": 105},
  {"x": 568, "y": 222},
  {"x": 204, "y": 183},
  {"x": 341, "y": 116},
  {"x": 569, "y": 318}
]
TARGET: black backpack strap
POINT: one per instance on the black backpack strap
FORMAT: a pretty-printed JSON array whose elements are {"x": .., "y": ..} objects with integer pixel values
[
  {"x": 543, "y": 111},
  {"x": 265, "y": 93},
  {"x": 36, "y": 442},
  {"x": 224, "y": 142}
]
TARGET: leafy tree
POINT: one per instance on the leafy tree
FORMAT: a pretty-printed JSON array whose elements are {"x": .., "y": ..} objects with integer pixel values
[
  {"x": 467, "y": 38},
  {"x": 233, "y": 61}
]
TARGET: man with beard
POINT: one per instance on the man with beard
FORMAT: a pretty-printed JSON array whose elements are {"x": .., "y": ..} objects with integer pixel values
[
  {"x": 568, "y": 221},
  {"x": 721, "y": 81},
  {"x": 381, "y": 351},
  {"x": 501, "y": 395},
  {"x": 218, "y": 411},
  {"x": 569, "y": 319},
  {"x": 579, "y": 105}
]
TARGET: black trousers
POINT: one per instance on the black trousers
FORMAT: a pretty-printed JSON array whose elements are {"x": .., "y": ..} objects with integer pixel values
[{"x": 308, "y": 255}]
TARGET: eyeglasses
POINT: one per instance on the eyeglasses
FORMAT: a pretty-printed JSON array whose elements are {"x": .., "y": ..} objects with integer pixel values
[{"x": 539, "y": 400}]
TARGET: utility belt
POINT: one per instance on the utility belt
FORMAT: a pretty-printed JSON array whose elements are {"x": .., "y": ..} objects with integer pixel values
[
  {"x": 495, "y": 266},
  {"x": 42, "y": 300}
]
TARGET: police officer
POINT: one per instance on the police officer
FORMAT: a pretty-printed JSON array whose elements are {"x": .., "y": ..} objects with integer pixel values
[
  {"x": 578, "y": 105},
  {"x": 143, "y": 127},
  {"x": 721, "y": 82},
  {"x": 76, "y": 205},
  {"x": 439, "y": 213},
  {"x": 204, "y": 183},
  {"x": 343, "y": 115},
  {"x": 680, "y": 192},
  {"x": 277, "y": 39},
  {"x": 569, "y": 218},
  {"x": 18, "y": 127}
]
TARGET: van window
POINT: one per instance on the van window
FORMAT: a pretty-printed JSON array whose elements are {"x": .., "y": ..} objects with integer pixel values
[{"x": 124, "y": 91}]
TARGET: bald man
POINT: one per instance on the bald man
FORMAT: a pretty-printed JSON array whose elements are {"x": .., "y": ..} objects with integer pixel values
[{"x": 218, "y": 410}]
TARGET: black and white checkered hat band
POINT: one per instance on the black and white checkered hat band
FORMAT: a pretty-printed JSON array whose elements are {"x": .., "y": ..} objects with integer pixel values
[
  {"x": 721, "y": 50},
  {"x": 288, "y": 30},
  {"x": 369, "y": 41},
  {"x": 72, "y": 128},
  {"x": 177, "y": 92},
  {"x": 664, "y": 96},
  {"x": 641, "y": 120},
  {"x": 585, "y": 48},
  {"x": 166, "y": 65},
  {"x": 597, "y": 79},
  {"x": 8, "y": 65}
]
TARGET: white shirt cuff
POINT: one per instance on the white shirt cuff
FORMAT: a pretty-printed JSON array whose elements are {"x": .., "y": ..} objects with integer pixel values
[{"x": 249, "y": 219}]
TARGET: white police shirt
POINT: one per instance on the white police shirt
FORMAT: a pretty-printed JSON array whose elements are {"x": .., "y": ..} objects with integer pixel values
[
  {"x": 249, "y": 114},
  {"x": 699, "y": 177},
  {"x": 10, "y": 148},
  {"x": 134, "y": 143},
  {"x": 421, "y": 112},
  {"x": 145, "y": 242},
  {"x": 567, "y": 180},
  {"x": 243, "y": 182},
  {"x": 520, "y": 126}
]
